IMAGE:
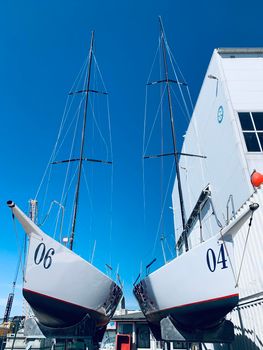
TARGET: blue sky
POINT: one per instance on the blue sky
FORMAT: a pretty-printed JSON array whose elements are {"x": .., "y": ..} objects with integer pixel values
[{"x": 43, "y": 45}]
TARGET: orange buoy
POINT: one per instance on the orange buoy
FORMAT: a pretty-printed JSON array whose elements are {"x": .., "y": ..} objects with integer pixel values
[{"x": 256, "y": 178}]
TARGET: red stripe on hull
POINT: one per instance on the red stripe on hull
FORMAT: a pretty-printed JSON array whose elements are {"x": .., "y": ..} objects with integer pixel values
[
  {"x": 57, "y": 299},
  {"x": 200, "y": 302},
  {"x": 197, "y": 315}
]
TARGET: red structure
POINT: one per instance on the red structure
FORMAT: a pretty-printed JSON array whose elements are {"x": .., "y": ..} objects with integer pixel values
[{"x": 123, "y": 342}]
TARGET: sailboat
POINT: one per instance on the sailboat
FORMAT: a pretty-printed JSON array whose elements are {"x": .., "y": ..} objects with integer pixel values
[
  {"x": 197, "y": 289},
  {"x": 60, "y": 286}
]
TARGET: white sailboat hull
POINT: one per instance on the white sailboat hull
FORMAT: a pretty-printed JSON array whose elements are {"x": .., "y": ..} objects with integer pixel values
[
  {"x": 180, "y": 289},
  {"x": 196, "y": 289},
  {"x": 60, "y": 286}
]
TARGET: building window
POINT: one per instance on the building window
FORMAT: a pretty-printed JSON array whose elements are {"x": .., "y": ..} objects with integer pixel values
[
  {"x": 143, "y": 336},
  {"x": 252, "y": 128},
  {"x": 125, "y": 328}
]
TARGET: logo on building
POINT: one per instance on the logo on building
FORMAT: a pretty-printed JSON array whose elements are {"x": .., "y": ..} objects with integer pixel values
[{"x": 220, "y": 114}]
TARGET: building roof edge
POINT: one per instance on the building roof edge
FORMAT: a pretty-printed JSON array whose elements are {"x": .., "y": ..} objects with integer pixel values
[{"x": 240, "y": 50}]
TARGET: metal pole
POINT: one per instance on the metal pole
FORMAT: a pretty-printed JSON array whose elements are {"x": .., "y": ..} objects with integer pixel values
[
  {"x": 82, "y": 144},
  {"x": 174, "y": 138}
]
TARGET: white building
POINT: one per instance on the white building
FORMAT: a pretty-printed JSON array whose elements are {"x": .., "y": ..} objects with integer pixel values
[{"x": 227, "y": 128}]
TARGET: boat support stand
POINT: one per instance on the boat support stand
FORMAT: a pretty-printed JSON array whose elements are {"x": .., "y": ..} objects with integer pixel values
[
  {"x": 84, "y": 334},
  {"x": 224, "y": 333}
]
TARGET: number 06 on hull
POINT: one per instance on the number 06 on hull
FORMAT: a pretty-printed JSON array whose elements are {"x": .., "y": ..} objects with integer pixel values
[{"x": 60, "y": 286}]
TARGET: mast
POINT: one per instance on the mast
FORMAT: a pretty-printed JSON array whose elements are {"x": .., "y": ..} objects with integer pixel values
[
  {"x": 180, "y": 192},
  {"x": 76, "y": 201}
]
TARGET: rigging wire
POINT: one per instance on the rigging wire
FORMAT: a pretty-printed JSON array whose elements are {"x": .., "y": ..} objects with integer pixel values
[
  {"x": 20, "y": 251},
  {"x": 99, "y": 130},
  {"x": 162, "y": 136},
  {"x": 177, "y": 78},
  {"x": 156, "y": 52},
  {"x": 91, "y": 168},
  {"x": 143, "y": 153},
  {"x": 46, "y": 189},
  {"x": 76, "y": 114},
  {"x": 146, "y": 92},
  {"x": 185, "y": 111},
  {"x": 71, "y": 152},
  {"x": 67, "y": 126},
  {"x": 155, "y": 119},
  {"x": 180, "y": 105},
  {"x": 88, "y": 190},
  {"x": 144, "y": 132},
  {"x": 172, "y": 59},
  {"x": 169, "y": 248},
  {"x": 56, "y": 147},
  {"x": 244, "y": 250},
  {"x": 192, "y": 108},
  {"x": 64, "y": 200},
  {"x": 111, "y": 155},
  {"x": 77, "y": 117},
  {"x": 179, "y": 85},
  {"x": 162, "y": 210},
  {"x": 90, "y": 201},
  {"x": 178, "y": 67},
  {"x": 63, "y": 120},
  {"x": 112, "y": 177}
]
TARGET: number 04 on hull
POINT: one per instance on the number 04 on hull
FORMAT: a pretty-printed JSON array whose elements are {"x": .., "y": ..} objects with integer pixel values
[
  {"x": 198, "y": 288},
  {"x": 60, "y": 286}
]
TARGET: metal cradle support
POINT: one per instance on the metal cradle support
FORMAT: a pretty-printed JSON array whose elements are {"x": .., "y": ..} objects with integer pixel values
[
  {"x": 84, "y": 332},
  {"x": 223, "y": 333}
]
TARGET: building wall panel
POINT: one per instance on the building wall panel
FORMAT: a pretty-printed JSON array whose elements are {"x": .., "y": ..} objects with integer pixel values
[{"x": 236, "y": 85}]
